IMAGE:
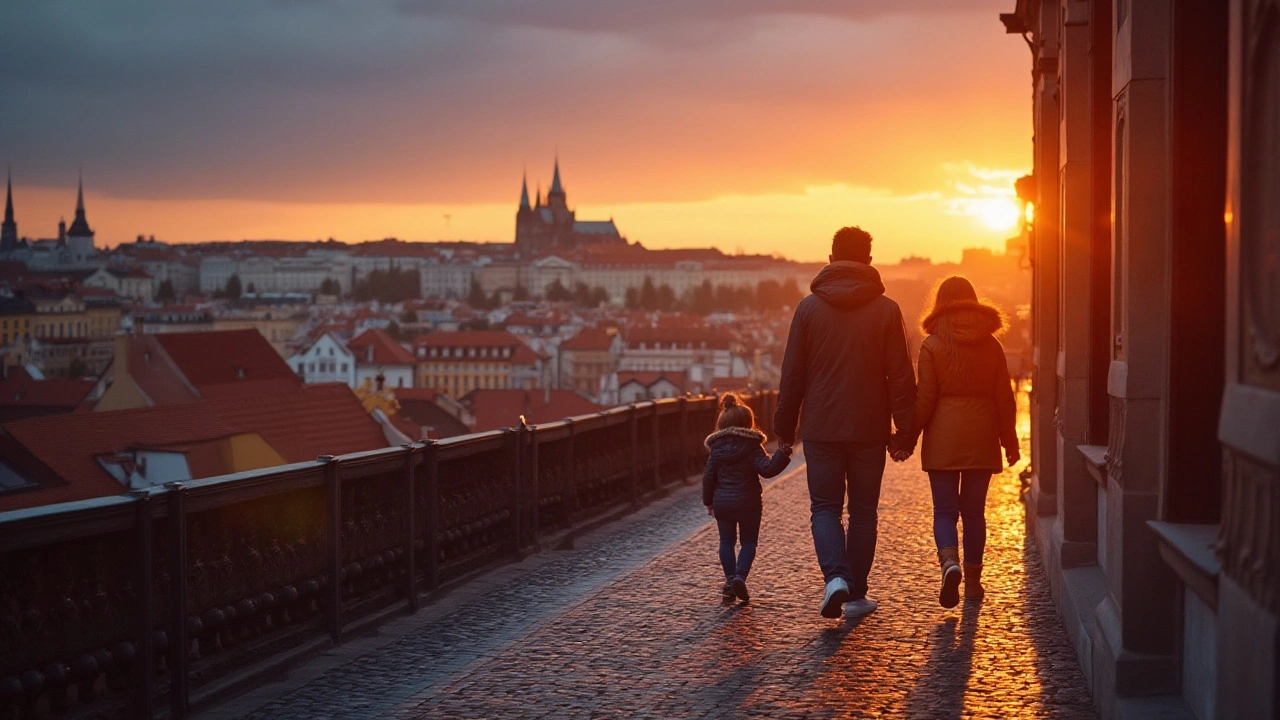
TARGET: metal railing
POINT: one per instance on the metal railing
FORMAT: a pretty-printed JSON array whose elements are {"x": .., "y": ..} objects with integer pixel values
[{"x": 273, "y": 559}]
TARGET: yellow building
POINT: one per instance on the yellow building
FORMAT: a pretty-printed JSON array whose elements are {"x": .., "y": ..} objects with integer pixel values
[{"x": 458, "y": 362}]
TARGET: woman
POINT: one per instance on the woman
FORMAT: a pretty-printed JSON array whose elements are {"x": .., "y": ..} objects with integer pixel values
[{"x": 965, "y": 406}]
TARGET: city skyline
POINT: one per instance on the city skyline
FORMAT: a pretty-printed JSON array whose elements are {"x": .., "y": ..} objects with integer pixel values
[{"x": 747, "y": 129}]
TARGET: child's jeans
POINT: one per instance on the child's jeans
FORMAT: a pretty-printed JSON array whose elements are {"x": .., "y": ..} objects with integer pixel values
[
  {"x": 960, "y": 494},
  {"x": 731, "y": 524}
]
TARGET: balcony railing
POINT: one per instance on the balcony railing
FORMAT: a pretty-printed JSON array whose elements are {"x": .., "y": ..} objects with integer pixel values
[{"x": 274, "y": 559}]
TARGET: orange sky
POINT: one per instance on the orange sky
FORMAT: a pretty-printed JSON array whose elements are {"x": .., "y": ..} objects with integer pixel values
[{"x": 730, "y": 125}]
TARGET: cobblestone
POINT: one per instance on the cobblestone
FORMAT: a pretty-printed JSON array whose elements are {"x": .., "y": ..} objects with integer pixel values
[{"x": 593, "y": 635}]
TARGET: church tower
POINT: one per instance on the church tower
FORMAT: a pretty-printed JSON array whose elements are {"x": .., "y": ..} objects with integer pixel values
[
  {"x": 9, "y": 229},
  {"x": 80, "y": 235},
  {"x": 525, "y": 216}
]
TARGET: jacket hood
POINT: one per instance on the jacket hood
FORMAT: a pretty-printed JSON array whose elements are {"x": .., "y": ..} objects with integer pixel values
[
  {"x": 846, "y": 284},
  {"x": 971, "y": 320},
  {"x": 733, "y": 444}
]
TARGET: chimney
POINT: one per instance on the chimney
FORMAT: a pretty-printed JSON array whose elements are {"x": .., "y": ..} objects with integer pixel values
[
  {"x": 120, "y": 363},
  {"x": 546, "y": 396}
]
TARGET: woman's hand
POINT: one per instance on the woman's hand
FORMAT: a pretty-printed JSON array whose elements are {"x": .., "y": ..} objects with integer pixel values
[
  {"x": 1013, "y": 456},
  {"x": 711, "y": 511}
]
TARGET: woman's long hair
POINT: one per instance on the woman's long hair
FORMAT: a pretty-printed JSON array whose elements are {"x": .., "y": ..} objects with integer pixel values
[{"x": 957, "y": 317}]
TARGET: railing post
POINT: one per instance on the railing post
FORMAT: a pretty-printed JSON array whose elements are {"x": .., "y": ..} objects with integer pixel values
[
  {"x": 657, "y": 451},
  {"x": 410, "y": 523},
  {"x": 144, "y": 659},
  {"x": 633, "y": 415},
  {"x": 535, "y": 519},
  {"x": 571, "y": 502},
  {"x": 431, "y": 540},
  {"x": 684, "y": 437},
  {"x": 179, "y": 643},
  {"x": 334, "y": 487},
  {"x": 514, "y": 436}
]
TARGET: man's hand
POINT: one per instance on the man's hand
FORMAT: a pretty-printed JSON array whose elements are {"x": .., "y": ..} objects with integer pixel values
[
  {"x": 899, "y": 455},
  {"x": 1013, "y": 456}
]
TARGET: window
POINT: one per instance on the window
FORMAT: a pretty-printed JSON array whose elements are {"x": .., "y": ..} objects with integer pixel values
[
  {"x": 344, "y": 367},
  {"x": 311, "y": 367}
]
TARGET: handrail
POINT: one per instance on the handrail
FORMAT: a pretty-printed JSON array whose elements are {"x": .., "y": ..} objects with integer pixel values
[{"x": 313, "y": 546}]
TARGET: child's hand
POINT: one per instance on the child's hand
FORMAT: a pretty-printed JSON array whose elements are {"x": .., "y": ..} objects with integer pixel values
[{"x": 711, "y": 511}]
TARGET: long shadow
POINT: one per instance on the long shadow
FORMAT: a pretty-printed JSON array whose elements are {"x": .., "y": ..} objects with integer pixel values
[
  {"x": 940, "y": 688},
  {"x": 1056, "y": 666}
]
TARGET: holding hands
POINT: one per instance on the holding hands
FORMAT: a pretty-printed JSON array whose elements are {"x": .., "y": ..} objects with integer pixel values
[{"x": 1013, "y": 456}]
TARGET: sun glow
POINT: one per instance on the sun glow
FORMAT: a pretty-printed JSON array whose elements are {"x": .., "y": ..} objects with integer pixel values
[{"x": 997, "y": 213}]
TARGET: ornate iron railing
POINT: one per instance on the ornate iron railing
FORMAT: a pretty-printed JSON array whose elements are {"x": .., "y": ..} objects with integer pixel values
[{"x": 89, "y": 612}]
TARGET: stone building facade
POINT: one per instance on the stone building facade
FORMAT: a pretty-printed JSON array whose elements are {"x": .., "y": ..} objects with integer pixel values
[{"x": 1155, "y": 498}]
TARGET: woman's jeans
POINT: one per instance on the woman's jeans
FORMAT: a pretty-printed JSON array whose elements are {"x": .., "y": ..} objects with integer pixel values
[
  {"x": 960, "y": 494},
  {"x": 731, "y": 524}
]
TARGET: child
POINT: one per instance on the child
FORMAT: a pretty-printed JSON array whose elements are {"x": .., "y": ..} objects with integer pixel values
[{"x": 731, "y": 488}]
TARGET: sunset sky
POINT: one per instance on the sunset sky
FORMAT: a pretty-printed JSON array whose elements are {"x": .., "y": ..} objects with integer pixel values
[{"x": 745, "y": 124}]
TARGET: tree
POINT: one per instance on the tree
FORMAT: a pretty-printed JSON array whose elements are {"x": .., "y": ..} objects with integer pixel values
[
  {"x": 521, "y": 293},
  {"x": 408, "y": 317},
  {"x": 389, "y": 286},
  {"x": 77, "y": 369},
  {"x": 330, "y": 287},
  {"x": 632, "y": 299},
  {"x": 599, "y": 296},
  {"x": 393, "y": 329},
  {"x": 477, "y": 299},
  {"x": 666, "y": 298},
  {"x": 232, "y": 289},
  {"x": 648, "y": 295},
  {"x": 165, "y": 291},
  {"x": 252, "y": 290},
  {"x": 557, "y": 292},
  {"x": 701, "y": 299}
]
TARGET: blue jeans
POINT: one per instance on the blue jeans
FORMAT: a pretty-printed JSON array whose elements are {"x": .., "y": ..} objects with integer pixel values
[
  {"x": 960, "y": 494},
  {"x": 837, "y": 471},
  {"x": 731, "y": 524}
]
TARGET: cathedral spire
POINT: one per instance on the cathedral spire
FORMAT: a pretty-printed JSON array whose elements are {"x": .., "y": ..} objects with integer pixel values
[
  {"x": 8, "y": 199},
  {"x": 524, "y": 192},
  {"x": 539, "y": 201},
  {"x": 80, "y": 225},
  {"x": 555, "y": 179},
  {"x": 9, "y": 228}
]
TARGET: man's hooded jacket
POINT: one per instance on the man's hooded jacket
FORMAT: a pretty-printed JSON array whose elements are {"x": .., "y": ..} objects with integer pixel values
[{"x": 847, "y": 371}]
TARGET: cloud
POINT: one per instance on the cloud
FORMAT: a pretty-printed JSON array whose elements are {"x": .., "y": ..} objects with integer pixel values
[{"x": 417, "y": 101}]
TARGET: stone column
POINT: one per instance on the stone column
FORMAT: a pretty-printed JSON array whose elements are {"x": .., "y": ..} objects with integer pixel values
[
  {"x": 1249, "y": 587},
  {"x": 1044, "y": 253},
  {"x": 1134, "y": 637},
  {"x": 1076, "y": 530}
]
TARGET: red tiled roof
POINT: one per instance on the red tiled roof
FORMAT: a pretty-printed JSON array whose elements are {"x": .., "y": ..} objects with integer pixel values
[
  {"x": 647, "y": 378},
  {"x": 696, "y": 337},
  {"x": 21, "y": 389},
  {"x": 495, "y": 409},
  {"x": 429, "y": 394},
  {"x": 226, "y": 356},
  {"x": 313, "y": 420},
  {"x": 386, "y": 351},
  {"x": 467, "y": 338},
  {"x": 590, "y": 339}
]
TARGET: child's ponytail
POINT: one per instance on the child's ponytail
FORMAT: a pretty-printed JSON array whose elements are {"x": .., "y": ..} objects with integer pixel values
[{"x": 733, "y": 413}]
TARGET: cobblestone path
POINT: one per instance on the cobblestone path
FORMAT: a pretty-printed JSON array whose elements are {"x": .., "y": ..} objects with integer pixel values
[{"x": 656, "y": 642}]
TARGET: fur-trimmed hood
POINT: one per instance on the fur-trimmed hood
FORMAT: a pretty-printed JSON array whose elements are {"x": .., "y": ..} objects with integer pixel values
[
  {"x": 971, "y": 320},
  {"x": 734, "y": 443}
]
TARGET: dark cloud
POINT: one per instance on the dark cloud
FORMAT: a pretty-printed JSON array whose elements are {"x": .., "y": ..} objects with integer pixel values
[{"x": 414, "y": 100}]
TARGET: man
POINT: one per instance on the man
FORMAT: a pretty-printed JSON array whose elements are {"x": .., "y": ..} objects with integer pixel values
[{"x": 847, "y": 367}]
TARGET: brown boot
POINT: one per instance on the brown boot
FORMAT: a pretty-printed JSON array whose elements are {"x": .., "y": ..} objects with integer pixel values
[
  {"x": 973, "y": 582},
  {"x": 949, "y": 559}
]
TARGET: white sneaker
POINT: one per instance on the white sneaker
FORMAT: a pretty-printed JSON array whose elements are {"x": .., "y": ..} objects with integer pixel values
[
  {"x": 858, "y": 608},
  {"x": 836, "y": 594}
]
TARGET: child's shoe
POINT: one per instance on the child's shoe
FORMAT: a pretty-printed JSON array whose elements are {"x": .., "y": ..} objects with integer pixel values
[{"x": 740, "y": 589}]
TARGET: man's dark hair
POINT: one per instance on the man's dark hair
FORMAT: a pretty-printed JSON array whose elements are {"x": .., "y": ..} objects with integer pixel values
[{"x": 851, "y": 243}]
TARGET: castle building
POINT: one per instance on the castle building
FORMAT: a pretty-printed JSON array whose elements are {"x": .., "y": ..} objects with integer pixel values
[{"x": 553, "y": 226}]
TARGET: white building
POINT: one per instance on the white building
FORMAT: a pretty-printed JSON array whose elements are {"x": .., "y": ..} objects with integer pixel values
[{"x": 327, "y": 360}]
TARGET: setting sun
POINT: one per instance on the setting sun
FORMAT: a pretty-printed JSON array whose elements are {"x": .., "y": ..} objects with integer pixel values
[{"x": 997, "y": 213}]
